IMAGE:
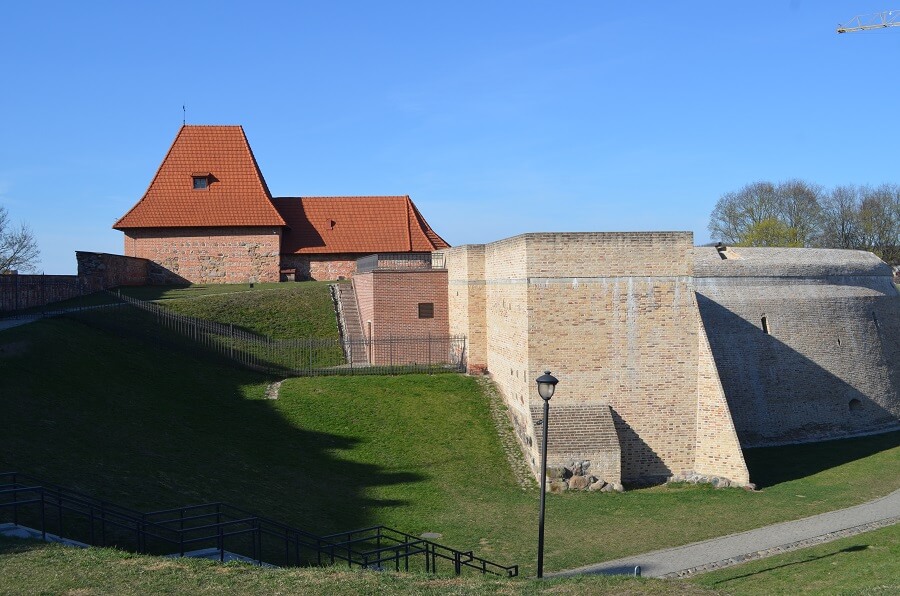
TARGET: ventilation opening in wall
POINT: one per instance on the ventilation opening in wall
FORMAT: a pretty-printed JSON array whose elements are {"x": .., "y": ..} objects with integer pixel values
[
  {"x": 839, "y": 342},
  {"x": 765, "y": 325},
  {"x": 875, "y": 319},
  {"x": 854, "y": 405}
]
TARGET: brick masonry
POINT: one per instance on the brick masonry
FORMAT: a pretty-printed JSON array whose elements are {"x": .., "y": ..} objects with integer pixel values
[
  {"x": 321, "y": 267},
  {"x": 210, "y": 255},
  {"x": 388, "y": 303},
  {"x": 668, "y": 341},
  {"x": 828, "y": 361}
]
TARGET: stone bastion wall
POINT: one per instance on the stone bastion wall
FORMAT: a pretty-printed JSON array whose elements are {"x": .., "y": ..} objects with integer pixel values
[
  {"x": 805, "y": 340},
  {"x": 613, "y": 315}
]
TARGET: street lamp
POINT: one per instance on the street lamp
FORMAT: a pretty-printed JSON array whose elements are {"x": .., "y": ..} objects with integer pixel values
[{"x": 546, "y": 386}]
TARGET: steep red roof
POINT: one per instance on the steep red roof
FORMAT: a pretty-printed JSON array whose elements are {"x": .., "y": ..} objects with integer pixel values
[
  {"x": 318, "y": 225},
  {"x": 237, "y": 194}
]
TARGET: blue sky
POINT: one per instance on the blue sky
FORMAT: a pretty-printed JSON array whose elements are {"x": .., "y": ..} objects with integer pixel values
[{"x": 496, "y": 117}]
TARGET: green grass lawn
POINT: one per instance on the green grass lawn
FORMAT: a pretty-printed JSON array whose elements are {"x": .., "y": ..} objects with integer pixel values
[
  {"x": 865, "y": 564},
  {"x": 196, "y": 290},
  {"x": 157, "y": 425},
  {"x": 28, "y": 567},
  {"x": 282, "y": 311}
]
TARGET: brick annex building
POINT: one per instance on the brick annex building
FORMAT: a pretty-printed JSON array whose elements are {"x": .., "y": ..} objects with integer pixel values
[{"x": 208, "y": 217}]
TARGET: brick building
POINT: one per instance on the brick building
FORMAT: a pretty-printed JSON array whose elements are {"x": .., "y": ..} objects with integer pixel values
[{"x": 208, "y": 217}]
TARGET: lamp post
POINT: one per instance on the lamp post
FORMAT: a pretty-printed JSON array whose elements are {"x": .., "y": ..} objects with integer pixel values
[{"x": 546, "y": 386}]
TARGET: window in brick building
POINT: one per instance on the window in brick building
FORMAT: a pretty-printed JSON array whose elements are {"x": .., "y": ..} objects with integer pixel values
[
  {"x": 426, "y": 310},
  {"x": 765, "y": 325}
]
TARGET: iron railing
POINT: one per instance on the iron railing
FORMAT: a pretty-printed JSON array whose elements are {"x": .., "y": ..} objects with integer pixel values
[
  {"x": 401, "y": 261},
  {"x": 224, "y": 529},
  {"x": 311, "y": 356}
]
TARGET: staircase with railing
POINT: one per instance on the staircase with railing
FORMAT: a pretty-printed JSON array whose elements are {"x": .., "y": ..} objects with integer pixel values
[{"x": 216, "y": 530}]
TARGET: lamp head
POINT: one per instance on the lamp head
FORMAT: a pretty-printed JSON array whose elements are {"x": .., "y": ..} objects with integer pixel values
[{"x": 546, "y": 385}]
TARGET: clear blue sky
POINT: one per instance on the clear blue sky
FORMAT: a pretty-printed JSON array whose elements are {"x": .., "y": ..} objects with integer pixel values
[{"x": 496, "y": 117}]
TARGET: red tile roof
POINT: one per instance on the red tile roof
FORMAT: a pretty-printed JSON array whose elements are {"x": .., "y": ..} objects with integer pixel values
[
  {"x": 326, "y": 225},
  {"x": 237, "y": 194}
]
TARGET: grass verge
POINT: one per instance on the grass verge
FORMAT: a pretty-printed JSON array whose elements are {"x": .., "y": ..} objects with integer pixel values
[
  {"x": 864, "y": 564},
  {"x": 32, "y": 568}
]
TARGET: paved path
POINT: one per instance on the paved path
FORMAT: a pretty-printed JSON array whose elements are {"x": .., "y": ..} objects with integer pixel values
[
  {"x": 754, "y": 544},
  {"x": 8, "y": 323}
]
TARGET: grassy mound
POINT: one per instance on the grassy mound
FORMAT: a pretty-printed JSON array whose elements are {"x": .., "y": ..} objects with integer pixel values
[
  {"x": 153, "y": 426},
  {"x": 281, "y": 311}
]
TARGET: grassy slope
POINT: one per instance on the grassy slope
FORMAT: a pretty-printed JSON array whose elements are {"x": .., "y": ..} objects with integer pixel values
[
  {"x": 31, "y": 567},
  {"x": 868, "y": 563},
  {"x": 154, "y": 428},
  {"x": 281, "y": 311}
]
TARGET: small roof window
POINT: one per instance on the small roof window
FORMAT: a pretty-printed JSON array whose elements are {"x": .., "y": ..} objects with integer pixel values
[{"x": 201, "y": 180}]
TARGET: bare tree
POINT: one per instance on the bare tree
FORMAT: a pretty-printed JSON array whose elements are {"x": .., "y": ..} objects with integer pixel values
[
  {"x": 879, "y": 221},
  {"x": 736, "y": 213},
  {"x": 800, "y": 210},
  {"x": 840, "y": 218},
  {"x": 18, "y": 247}
]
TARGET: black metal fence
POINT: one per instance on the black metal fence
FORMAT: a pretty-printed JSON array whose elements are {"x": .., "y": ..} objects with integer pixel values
[
  {"x": 309, "y": 357},
  {"x": 221, "y": 529}
]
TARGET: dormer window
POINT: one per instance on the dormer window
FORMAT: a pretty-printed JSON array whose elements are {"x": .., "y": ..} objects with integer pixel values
[{"x": 201, "y": 180}]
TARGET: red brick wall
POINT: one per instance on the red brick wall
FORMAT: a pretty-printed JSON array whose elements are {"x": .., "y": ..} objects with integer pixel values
[
  {"x": 390, "y": 299},
  {"x": 210, "y": 255}
]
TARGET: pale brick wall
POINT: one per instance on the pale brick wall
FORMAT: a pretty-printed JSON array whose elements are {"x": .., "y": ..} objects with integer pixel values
[
  {"x": 824, "y": 348},
  {"x": 466, "y": 301},
  {"x": 209, "y": 255},
  {"x": 613, "y": 316},
  {"x": 718, "y": 451}
]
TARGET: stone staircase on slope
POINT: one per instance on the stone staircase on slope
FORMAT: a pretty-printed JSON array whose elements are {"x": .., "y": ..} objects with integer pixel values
[{"x": 349, "y": 323}]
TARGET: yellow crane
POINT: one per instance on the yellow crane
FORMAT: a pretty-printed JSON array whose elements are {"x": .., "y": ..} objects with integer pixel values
[{"x": 879, "y": 20}]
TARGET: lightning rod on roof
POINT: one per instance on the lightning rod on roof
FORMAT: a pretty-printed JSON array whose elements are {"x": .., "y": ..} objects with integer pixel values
[{"x": 183, "y": 115}]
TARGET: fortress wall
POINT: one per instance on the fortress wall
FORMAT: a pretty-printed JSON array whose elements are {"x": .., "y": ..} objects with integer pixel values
[
  {"x": 466, "y": 301},
  {"x": 507, "y": 332},
  {"x": 828, "y": 365},
  {"x": 612, "y": 315},
  {"x": 718, "y": 451}
]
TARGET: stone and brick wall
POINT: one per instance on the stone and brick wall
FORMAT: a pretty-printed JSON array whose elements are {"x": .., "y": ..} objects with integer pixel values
[
  {"x": 103, "y": 270},
  {"x": 321, "y": 267},
  {"x": 210, "y": 255},
  {"x": 826, "y": 365}
]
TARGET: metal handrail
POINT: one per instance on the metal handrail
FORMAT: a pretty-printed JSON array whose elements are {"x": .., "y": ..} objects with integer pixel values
[{"x": 231, "y": 521}]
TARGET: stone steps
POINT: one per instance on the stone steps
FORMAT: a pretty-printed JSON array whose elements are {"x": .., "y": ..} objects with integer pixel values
[{"x": 349, "y": 323}]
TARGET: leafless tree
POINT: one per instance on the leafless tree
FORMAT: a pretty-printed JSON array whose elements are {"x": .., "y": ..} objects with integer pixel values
[
  {"x": 879, "y": 221},
  {"x": 18, "y": 247},
  {"x": 840, "y": 218},
  {"x": 800, "y": 209},
  {"x": 736, "y": 213}
]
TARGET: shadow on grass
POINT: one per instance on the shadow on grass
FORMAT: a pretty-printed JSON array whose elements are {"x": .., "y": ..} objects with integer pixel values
[
  {"x": 157, "y": 424},
  {"x": 850, "y": 549},
  {"x": 773, "y": 465}
]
